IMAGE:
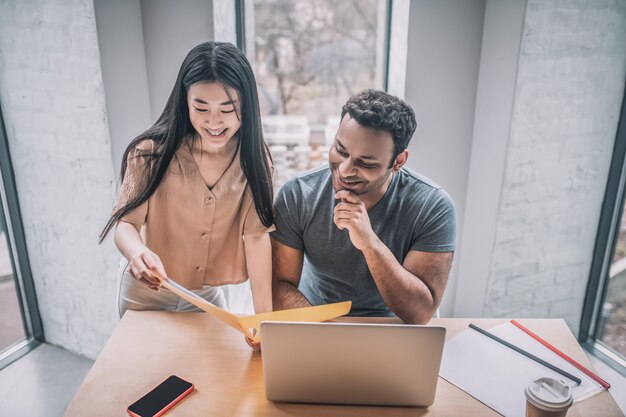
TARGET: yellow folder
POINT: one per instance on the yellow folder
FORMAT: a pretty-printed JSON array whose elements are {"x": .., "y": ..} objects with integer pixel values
[{"x": 247, "y": 323}]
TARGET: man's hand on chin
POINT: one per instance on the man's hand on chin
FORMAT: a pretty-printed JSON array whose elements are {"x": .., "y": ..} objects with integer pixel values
[{"x": 351, "y": 214}]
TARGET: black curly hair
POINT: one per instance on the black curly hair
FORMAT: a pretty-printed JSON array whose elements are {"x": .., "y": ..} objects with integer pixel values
[{"x": 378, "y": 110}]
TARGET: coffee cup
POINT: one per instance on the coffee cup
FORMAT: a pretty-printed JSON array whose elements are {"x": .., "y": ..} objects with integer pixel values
[{"x": 547, "y": 397}]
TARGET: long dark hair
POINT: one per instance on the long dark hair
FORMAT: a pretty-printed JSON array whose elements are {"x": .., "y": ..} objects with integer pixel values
[{"x": 210, "y": 61}]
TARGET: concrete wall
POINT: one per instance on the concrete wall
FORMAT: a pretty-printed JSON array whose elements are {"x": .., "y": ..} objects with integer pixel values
[
  {"x": 123, "y": 58},
  {"x": 142, "y": 45},
  {"x": 53, "y": 99},
  {"x": 170, "y": 30},
  {"x": 569, "y": 89},
  {"x": 54, "y": 109},
  {"x": 495, "y": 94},
  {"x": 398, "y": 48},
  {"x": 444, "y": 44},
  {"x": 517, "y": 110}
]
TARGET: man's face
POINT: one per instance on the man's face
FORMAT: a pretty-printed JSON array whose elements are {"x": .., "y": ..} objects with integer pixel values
[{"x": 360, "y": 159}]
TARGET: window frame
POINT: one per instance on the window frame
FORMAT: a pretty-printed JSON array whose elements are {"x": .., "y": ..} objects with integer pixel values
[
  {"x": 240, "y": 24},
  {"x": 22, "y": 276},
  {"x": 606, "y": 238}
]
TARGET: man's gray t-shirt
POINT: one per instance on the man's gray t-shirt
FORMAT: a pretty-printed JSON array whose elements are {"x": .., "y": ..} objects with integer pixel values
[{"x": 414, "y": 214}]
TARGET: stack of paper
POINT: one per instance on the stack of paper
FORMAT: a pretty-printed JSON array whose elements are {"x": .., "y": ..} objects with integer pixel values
[{"x": 497, "y": 375}]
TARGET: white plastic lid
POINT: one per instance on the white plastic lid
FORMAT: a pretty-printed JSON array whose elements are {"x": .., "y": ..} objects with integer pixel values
[{"x": 549, "y": 394}]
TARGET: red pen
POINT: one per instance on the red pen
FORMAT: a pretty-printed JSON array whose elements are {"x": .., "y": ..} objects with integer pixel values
[{"x": 563, "y": 355}]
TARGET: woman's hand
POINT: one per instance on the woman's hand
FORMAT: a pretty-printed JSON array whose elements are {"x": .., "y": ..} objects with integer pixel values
[
  {"x": 256, "y": 346},
  {"x": 146, "y": 266}
]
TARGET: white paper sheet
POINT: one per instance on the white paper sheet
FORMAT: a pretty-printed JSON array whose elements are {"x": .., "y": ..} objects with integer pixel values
[{"x": 497, "y": 375}]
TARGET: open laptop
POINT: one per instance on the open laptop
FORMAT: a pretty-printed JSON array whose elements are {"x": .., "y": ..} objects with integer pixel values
[{"x": 351, "y": 363}]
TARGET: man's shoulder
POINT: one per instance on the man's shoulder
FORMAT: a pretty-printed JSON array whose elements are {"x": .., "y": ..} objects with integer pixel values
[
  {"x": 410, "y": 178},
  {"x": 297, "y": 202},
  {"x": 415, "y": 186},
  {"x": 306, "y": 183}
]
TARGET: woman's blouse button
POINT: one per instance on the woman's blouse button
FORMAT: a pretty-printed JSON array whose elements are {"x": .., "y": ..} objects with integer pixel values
[
  {"x": 204, "y": 236},
  {"x": 199, "y": 268},
  {"x": 208, "y": 201}
]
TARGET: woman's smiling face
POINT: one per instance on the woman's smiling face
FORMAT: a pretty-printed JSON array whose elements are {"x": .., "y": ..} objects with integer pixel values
[{"x": 214, "y": 112}]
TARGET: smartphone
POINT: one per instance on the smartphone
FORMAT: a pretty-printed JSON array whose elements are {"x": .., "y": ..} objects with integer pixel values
[{"x": 160, "y": 399}]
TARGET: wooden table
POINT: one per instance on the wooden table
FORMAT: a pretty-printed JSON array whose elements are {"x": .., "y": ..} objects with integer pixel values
[{"x": 148, "y": 346}]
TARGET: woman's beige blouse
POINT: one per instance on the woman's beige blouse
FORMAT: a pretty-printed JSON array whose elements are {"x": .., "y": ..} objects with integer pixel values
[{"x": 196, "y": 231}]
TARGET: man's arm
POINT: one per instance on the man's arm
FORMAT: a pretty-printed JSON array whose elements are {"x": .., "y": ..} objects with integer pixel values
[
  {"x": 412, "y": 290},
  {"x": 286, "y": 272}
]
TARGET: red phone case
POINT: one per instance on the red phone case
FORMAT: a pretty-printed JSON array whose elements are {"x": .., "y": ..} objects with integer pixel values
[{"x": 170, "y": 405}]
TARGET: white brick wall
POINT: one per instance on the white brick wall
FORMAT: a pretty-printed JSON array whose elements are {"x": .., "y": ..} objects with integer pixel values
[
  {"x": 54, "y": 110},
  {"x": 569, "y": 89}
]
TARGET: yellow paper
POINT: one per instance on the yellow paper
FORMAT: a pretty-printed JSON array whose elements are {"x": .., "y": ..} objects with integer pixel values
[{"x": 244, "y": 324}]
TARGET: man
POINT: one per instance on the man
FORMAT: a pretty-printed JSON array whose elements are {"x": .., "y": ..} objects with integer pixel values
[{"x": 365, "y": 228}]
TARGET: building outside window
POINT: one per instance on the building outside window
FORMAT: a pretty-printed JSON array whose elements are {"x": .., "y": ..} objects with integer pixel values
[{"x": 309, "y": 57}]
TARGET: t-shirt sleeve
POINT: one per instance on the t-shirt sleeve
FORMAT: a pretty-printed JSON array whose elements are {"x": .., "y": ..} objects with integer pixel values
[
  {"x": 436, "y": 225},
  {"x": 135, "y": 181},
  {"x": 287, "y": 209}
]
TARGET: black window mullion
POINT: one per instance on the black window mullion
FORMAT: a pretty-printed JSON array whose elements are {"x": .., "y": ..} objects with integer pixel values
[{"x": 240, "y": 24}]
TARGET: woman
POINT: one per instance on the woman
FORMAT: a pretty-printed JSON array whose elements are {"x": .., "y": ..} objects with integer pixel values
[{"x": 199, "y": 184}]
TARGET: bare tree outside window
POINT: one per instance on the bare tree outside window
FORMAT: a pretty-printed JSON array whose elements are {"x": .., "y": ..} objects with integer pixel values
[{"x": 309, "y": 57}]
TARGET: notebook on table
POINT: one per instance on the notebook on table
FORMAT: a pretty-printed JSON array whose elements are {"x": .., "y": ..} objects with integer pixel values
[{"x": 351, "y": 363}]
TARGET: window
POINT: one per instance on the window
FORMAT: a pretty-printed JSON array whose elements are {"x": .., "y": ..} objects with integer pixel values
[
  {"x": 308, "y": 58},
  {"x": 603, "y": 323},
  {"x": 20, "y": 324},
  {"x": 11, "y": 325}
]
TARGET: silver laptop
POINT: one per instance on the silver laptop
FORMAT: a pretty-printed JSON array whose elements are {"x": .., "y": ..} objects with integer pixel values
[{"x": 351, "y": 363}]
